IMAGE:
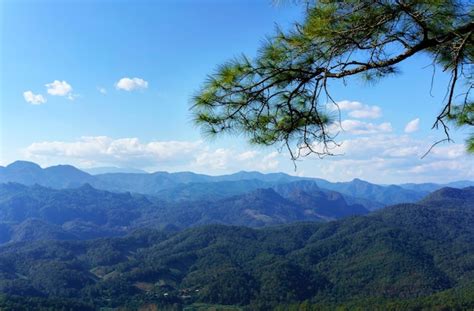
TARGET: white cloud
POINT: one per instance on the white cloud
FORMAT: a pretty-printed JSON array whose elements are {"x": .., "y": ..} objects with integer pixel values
[
  {"x": 380, "y": 145},
  {"x": 412, "y": 126},
  {"x": 373, "y": 112},
  {"x": 446, "y": 165},
  {"x": 358, "y": 127},
  {"x": 389, "y": 158},
  {"x": 60, "y": 88},
  {"x": 34, "y": 99},
  {"x": 359, "y": 110},
  {"x": 270, "y": 162},
  {"x": 130, "y": 84},
  {"x": 383, "y": 158},
  {"x": 401, "y": 151},
  {"x": 218, "y": 159},
  {"x": 449, "y": 151},
  {"x": 102, "y": 90},
  {"x": 247, "y": 155},
  {"x": 102, "y": 150},
  {"x": 166, "y": 150},
  {"x": 349, "y": 105},
  {"x": 398, "y": 146},
  {"x": 223, "y": 159},
  {"x": 131, "y": 152}
]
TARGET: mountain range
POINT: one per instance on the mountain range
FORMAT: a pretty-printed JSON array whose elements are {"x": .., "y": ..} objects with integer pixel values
[
  {"x": 245, "y": 241},
  {"x": 187, "y": 186},
  {"x": 38, "y": 213},
  {"x": 403, "y": 257}
]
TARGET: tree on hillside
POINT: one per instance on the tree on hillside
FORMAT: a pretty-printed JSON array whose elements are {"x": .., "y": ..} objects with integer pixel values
[{"x": 283, "y": 96}]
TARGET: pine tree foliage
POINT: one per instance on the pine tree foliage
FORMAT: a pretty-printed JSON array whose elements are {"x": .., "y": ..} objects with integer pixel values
[{"x": 283, "y": 95}]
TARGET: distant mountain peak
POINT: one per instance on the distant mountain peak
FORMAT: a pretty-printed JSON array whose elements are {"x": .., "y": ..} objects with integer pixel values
[
  {"x": 113, "y": 169},
  {"x": 65, "y": 168},
  {"x": 247, "y": 173},
  {"x": 23, "y": 165},
  {"x": 448, "y": 193}
]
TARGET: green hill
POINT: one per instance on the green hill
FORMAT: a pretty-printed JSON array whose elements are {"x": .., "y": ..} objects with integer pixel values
[{"x": 409, "y": 255}]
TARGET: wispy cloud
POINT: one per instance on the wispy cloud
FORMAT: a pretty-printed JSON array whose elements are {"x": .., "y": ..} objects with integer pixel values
[{"x": 412, "y": 126}]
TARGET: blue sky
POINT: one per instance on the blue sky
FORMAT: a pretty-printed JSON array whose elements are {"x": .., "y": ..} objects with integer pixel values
[{"x": 108, "y": 83}]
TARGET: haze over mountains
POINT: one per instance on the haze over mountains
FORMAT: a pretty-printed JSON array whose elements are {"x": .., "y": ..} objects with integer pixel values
[{"x": 192, "y": 186}]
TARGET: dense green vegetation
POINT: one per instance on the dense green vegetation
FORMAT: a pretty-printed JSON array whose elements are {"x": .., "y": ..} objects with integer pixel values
[
  {"x": 452, "y": 299},
  {"x": 406, "y": 256},
  {"x": 39, "y": 213}
]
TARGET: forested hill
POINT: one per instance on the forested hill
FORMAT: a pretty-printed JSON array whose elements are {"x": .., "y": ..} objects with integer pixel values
[
  {"x": 407, "y": 256},
  {"x": 40, "y": 213}
]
